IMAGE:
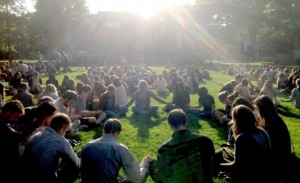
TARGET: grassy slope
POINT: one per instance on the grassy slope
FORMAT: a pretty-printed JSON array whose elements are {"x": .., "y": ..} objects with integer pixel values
[{"x": 144, "y": 135}]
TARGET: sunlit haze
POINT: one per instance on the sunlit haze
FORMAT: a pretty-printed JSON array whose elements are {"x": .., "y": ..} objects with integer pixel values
[{"x": 145, "y": 8}]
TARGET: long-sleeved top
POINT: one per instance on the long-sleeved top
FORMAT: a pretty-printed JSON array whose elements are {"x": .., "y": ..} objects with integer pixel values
[
  {"x": 9, "y": 156},
  {"x": 121, "y": 97},
  {"x": 253, "y": 158},
  {"x": 186, "y": 157},
  {"x": 295, "y": 97},
  {"x": 44, "y": 153},
  {"x": 103, "y": 158},
  {"x": 142, "y": 99}
]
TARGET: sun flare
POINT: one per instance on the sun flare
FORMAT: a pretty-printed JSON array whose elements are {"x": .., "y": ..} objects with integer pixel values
[{"x": 144, "y": 8}]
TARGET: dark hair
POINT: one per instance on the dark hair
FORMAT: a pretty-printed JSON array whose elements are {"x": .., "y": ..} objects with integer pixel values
[
  {"x": 2, "y": 91},
  {"x": 59, "y": 121},
  {"x": 83, "y": 88},
  {"x": 177, "y": 117},
  {"x": 243, "y": 120},
  {"x": 202, "y": 91},
  {"x": 23, "y": 86},
  {"x": 45, "y": 99},
  {"x": 223, "y": 95},
  {"x": 116, "y": 82},
  {"x": 112, "y": 126},
  {"x": 111, "y": 88},
  {"x": 242, "y": 101},
  {"x": 266, "y": 108},
  {"x": 70, "y": 95},
  {"x": 44, "y": 109},
  {"x": 14, "y": 106}
]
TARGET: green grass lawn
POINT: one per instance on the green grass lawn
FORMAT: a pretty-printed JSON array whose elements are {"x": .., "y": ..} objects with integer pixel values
[{"x": 144, "y": 135}]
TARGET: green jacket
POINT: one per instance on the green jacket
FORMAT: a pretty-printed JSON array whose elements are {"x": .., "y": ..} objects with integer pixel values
[{"x": 186, "y": 157}]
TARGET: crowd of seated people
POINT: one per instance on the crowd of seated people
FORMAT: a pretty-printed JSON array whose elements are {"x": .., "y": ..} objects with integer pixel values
[{"x": 103, "y": 96}]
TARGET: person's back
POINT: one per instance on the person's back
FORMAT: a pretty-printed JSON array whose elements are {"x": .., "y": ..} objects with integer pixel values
[
  {"x": 253, "y": 151},
  {"x": 186, "y": 157},
  {"x": 102, "y": 158},
  {"x": 47, "y": 151}
]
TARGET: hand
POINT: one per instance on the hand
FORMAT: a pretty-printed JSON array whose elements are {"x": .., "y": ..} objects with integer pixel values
[
  {"x": 147, "y": 159},
  {"x": 99, "y": 112},
  {"x": 85, "y": 113}
]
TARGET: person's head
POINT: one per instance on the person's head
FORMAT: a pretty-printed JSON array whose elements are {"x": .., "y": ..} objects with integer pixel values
[
  {"x": 244, "y": 82},
  {"x": 238, "y": 78},
  {"x": 266, "y": 107},
  {"x": 243, "y": 120},
  {"x": 50, "y": 88},
  {"x": 60, "y": 123},
  {"x": 12, "y": 110},
  {"x": 298, "y": 82},
  {"x": 44, "y": 111},
  {"x": 179, "y": 86},
  {"x": 111, "y": 90},
  {"x": 143, "y": 85},
  {"x": 223, "y": 96},
  {"x": 160, "y": 76},
  {"x": 2, "y": 91},
  {"x": 202, "y": 91},
  {"x": 69, "y": 97},
  {"x": 112, "y": 126},
  {"x": 116, "y": 82},
  {"x": 242, "y": 101},
  {"x": 3, "y": 76},
  {"x": 66, "y": 77},
  {"x": 268, "y": 84},
  {"x": 23, "y": 86},
  {"x": 52, "y": 76},
  {"x": 84, "y": 91},
  {"x": 45, "y": 99},
  {"x": 177, "y": 119}
]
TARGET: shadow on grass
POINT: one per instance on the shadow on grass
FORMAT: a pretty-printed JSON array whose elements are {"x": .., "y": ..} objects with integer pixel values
[
  {"x": 193, "y": 122},
  {"x": 143, "y": 123},
  {"x": 285, "y": 111},
  {"x": 222, "y": 130}
]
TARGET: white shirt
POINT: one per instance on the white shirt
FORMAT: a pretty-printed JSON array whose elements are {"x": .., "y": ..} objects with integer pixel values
[
  {"x": 121, "y": 97},
  {"x": 160, "y": 84}
]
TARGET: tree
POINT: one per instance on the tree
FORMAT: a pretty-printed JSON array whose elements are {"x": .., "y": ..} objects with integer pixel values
[{"x": 10, "y": 9}]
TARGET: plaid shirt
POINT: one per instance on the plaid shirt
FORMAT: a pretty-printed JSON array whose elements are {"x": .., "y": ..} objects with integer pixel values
[
  {"x": 186, "y": 157},
  {"x": 25, "y": 98}
]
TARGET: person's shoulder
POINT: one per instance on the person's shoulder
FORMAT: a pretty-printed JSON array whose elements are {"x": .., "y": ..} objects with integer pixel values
[{"x": 201, "y": 137}]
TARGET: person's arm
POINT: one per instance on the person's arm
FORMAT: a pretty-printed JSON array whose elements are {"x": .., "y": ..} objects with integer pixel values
[
  {"x": 130, "y": 166},
  {"x": 157, "y": 98},
  {"x": 292, "y": 97},
  {"x": 133, "y": 98}
]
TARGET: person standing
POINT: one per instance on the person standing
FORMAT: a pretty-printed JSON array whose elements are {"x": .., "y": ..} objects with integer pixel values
[
  {"x": 102, "y": 158},
  {"x": 185, "y": 157}
]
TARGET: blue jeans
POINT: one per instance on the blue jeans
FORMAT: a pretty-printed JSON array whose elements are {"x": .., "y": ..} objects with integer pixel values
[
  {"x": 152, "y": 112},
  {"x": 199, "y": 113},
  {"x": 122, "y": 112}
]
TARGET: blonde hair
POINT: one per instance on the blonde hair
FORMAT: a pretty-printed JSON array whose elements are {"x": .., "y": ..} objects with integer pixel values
[{"x": 50, "y": 88}]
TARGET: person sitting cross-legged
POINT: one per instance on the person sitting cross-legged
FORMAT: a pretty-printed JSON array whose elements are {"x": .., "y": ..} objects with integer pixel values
[
  {"x": 48, "y": 157},
  {"x": 107, "y": 104},
  {"x": 102, "y": 158},
  {"x": 185, "y": 157},
  {"x": 142, "y": 100}
]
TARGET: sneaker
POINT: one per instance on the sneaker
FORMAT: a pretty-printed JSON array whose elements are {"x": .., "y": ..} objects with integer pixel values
[{"x": 82, "y": 128}]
